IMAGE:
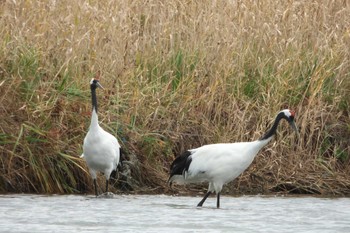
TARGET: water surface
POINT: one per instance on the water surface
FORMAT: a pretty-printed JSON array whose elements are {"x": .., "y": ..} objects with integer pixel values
[{"x": 161, "y": 213}]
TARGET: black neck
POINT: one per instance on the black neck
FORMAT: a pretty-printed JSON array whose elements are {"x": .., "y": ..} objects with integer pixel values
[
  {"x": 273, "y": 129},
  {"x": 94, "y": 98}
]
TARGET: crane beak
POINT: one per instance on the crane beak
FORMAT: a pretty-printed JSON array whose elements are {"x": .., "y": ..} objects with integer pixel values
[
  {"x": 99, "y": 85},
  {"x": 294, "y": 126},
  {"x": 170, "y": 182}
]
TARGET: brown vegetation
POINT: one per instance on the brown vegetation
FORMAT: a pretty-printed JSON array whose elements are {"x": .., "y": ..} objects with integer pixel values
[{"x": 179, "y": 74}]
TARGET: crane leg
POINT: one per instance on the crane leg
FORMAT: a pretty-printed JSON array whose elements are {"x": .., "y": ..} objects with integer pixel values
[
  {"x": 204, "y": 198},
  {"x": 106, "y": 186},
  {"x": 95, "y": 184},
  {"x": 218, "y": 200}
]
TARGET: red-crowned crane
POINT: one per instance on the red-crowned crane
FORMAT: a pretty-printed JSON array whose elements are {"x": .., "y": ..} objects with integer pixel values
[
  {"x": 221, "y": 163},
  {"x": 101, "y": 149}
]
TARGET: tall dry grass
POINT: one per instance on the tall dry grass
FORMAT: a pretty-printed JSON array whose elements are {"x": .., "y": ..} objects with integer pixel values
[{"x": 179, "y": 74}]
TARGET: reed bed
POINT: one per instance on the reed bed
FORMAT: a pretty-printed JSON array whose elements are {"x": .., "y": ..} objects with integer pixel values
[{"x": 178, "y": 74}]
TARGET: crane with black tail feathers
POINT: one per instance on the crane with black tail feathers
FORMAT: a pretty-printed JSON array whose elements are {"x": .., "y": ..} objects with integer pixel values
[
  {"x": 101, "y": 149},
  {"x": 221, "y": 163}
]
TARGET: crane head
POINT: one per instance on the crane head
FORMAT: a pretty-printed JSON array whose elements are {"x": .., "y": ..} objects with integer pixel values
[
  {"x": 94, "y": 83},
  {"x": 289, "y": 115}
]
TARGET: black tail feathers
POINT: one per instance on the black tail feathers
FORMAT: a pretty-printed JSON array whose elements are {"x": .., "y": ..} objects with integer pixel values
[{"x": 180, "y": 164}]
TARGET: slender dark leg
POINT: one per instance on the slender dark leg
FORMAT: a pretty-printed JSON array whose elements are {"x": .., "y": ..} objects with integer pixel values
[
  {"x": 95, "y": 184},
  {"x": 106, "y": 186},
  {"x": 204, "y": 198},
  {"x": 218, "y": 200}
]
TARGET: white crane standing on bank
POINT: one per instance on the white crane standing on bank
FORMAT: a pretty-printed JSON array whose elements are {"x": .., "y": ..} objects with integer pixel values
[
  {"x": 221, "y": 163},
  {"x": 101, "y": 149}
]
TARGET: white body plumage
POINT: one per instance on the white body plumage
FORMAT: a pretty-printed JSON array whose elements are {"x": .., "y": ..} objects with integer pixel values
[
  {"x": 100, "y": 149},
  {"x": 230, "y": 160}
]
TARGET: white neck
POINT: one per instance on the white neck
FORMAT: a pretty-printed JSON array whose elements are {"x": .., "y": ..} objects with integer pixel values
[
  {"x": 264, "y": 142},
  {"x": 257, "y": 146},
  {"x": 94, "y": 119}
]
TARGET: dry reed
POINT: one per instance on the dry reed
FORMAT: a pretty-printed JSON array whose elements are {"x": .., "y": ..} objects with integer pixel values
[{"x": 179, "y": 74}]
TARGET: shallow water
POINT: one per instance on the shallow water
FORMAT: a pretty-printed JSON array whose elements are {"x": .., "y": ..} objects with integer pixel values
[{"x": 161, "y": 213}]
